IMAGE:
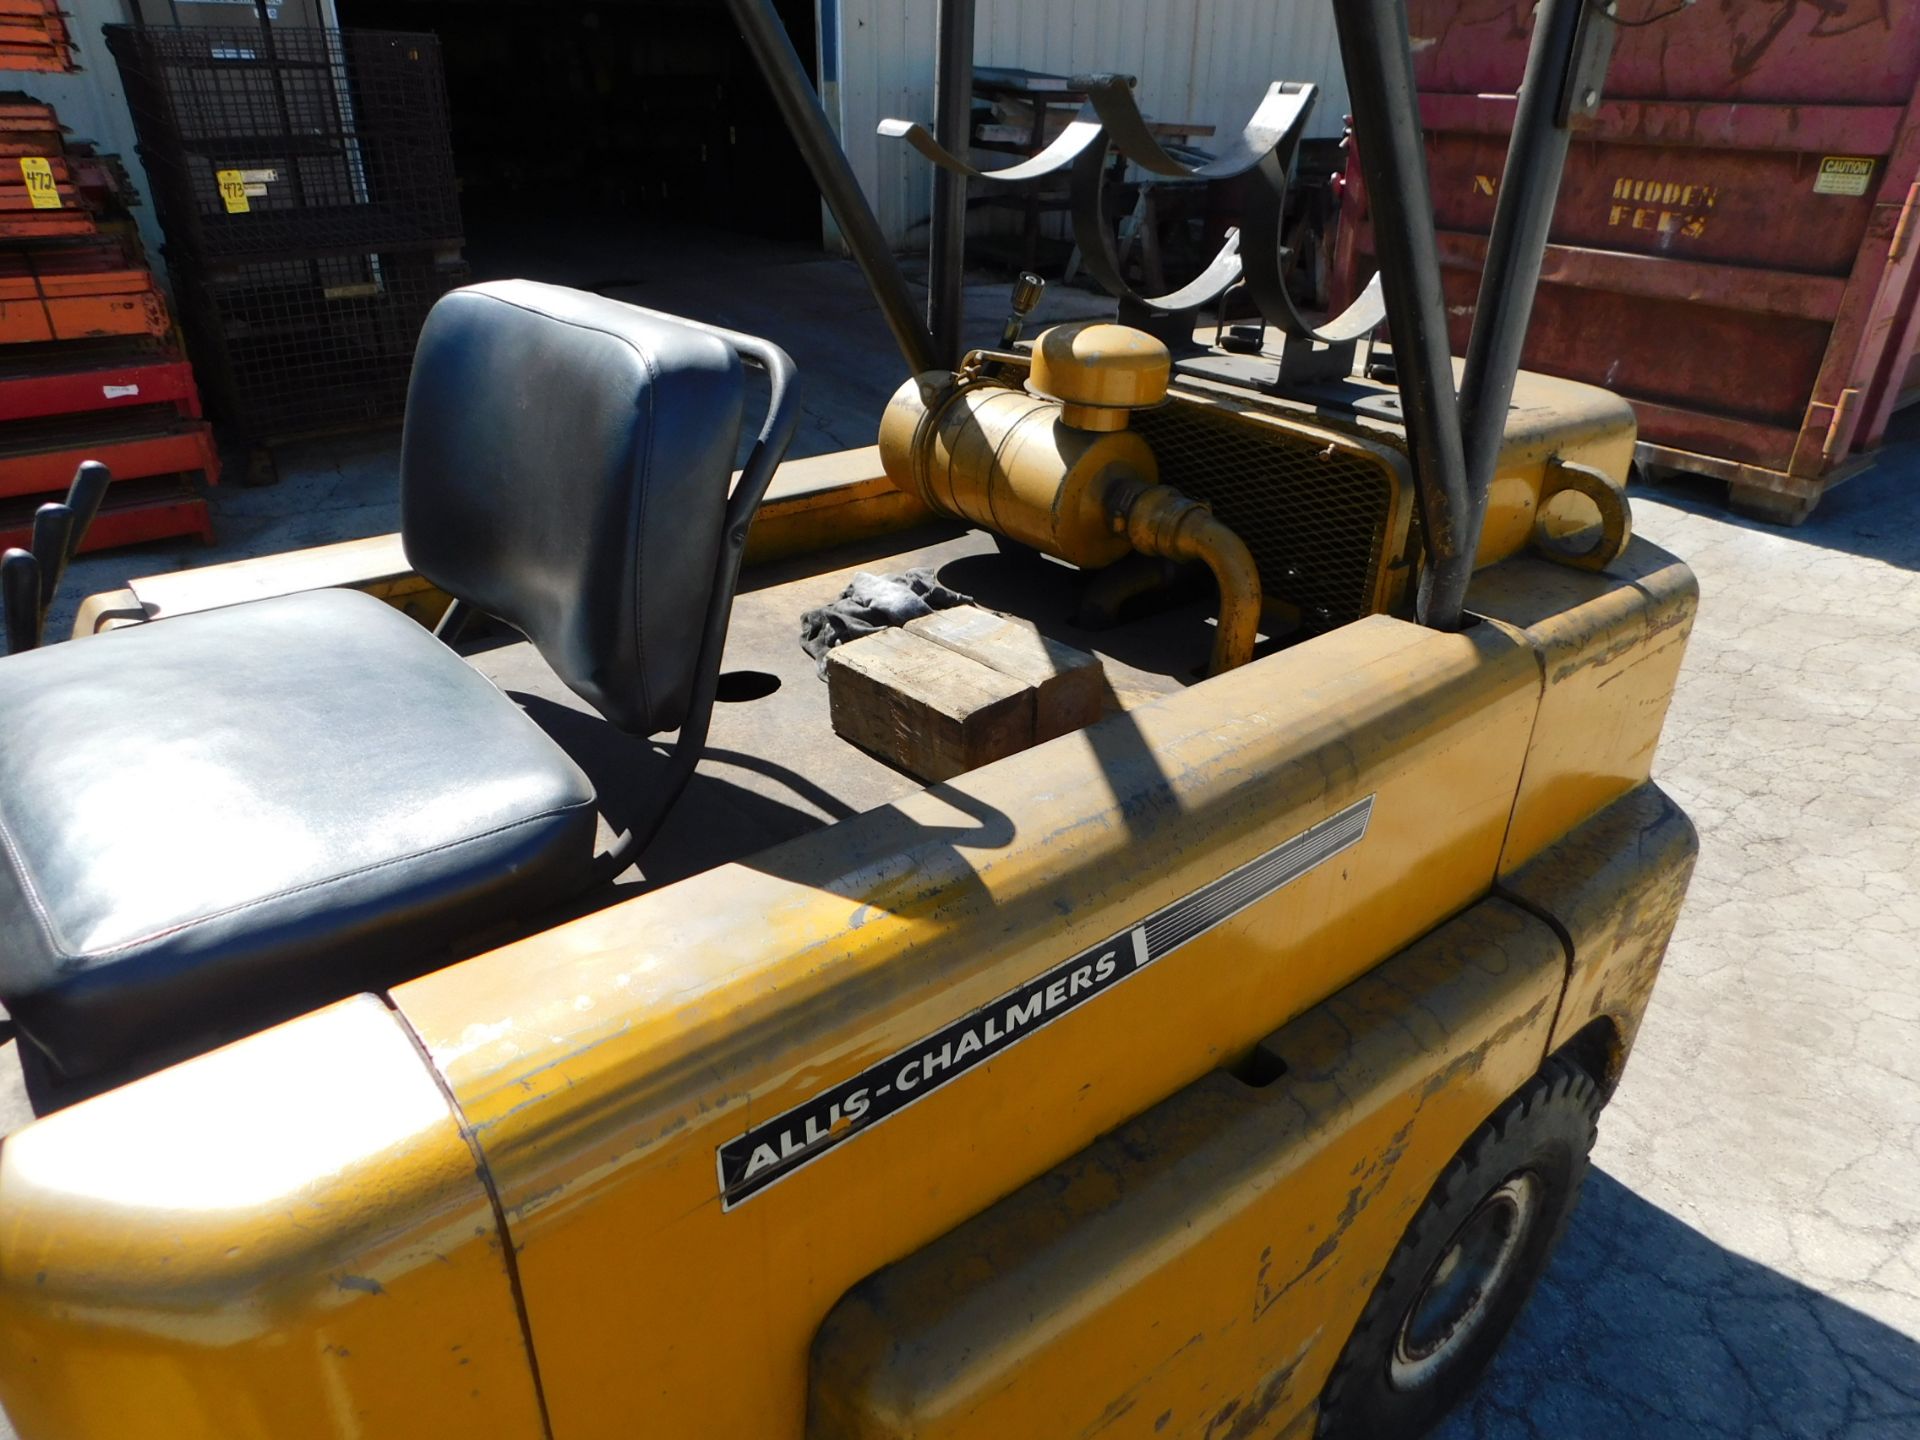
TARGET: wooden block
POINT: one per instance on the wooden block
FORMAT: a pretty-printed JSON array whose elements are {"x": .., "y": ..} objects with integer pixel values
[
  {"x": 925, "y": 708},
  {"x": 1069, "y": 685}
]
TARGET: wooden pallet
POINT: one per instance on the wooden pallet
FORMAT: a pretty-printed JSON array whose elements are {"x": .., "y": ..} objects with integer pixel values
[{"x": 1753, "y": 491}]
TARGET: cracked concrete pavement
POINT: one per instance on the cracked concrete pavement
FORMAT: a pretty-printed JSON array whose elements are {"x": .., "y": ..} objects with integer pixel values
[{"x": 1746, "y": 1262}]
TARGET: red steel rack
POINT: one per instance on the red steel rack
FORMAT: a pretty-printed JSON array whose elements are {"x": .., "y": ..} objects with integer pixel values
[
  {"x": 78, "y": 379},
  {"x": 90, "y": 367}
]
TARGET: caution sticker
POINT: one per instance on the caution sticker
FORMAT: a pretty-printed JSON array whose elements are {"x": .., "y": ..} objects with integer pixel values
[
  {"x": 777, "y": 1147},
  {"x": 1843, "y": 175},
  {"x": 233, "y": 190},
  {"x": 41, "y": 191}
]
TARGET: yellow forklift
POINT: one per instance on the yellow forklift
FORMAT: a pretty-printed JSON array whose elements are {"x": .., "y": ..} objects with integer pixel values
[{"x": 1225, "y": 1066}]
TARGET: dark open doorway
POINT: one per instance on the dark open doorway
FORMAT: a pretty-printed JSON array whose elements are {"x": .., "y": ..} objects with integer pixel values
[{"x": 616, "y": 117}]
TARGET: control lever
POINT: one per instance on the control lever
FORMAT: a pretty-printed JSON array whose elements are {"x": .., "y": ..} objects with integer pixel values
[
  {"x": 52, "y": 544},
  {"x": 89, "y": 488},
  {"x": 20, "y": 611},
  {"x": 29, "y": 579},
  {"x": 1026, "y": 295}
]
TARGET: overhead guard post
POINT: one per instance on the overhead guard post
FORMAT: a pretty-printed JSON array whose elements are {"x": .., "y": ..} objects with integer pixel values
[
  {"x": 1565, "y": 55},
  {"x": 953, "y": 128},
  {"x": 779, "y": 63},
  {"x": 1386, "y": 121}
]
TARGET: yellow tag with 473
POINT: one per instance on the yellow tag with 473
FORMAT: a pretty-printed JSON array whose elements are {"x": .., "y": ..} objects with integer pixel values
[{"x": 233, "y": 190}]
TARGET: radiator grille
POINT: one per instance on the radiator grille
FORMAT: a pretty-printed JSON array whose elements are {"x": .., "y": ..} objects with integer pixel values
[{"x": 1319, "y": 524}]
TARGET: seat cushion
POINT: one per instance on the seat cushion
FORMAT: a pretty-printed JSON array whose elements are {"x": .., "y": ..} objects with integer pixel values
[{"x": 214, "y": 822}]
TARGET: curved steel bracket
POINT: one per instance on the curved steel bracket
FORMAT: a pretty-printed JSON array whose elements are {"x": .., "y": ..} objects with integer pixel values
[
  {"x": 1257, "y": 252},
  {"x": 1094, "y": 235},
  {"x": 1081, "y": 133},
  {"x": 1266, "y": 259},
  {"x": 1278, "y": 120}
]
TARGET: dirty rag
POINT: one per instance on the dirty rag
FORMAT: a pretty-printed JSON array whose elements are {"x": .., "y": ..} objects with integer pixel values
[{"x": 870, "y": 603}]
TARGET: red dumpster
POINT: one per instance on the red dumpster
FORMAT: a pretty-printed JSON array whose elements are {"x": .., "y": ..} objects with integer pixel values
[{"x": 1734, "y": 246}]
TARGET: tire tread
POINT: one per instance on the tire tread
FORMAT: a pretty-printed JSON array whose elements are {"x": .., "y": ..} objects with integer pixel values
[{"x": 1558, "y": 1085}]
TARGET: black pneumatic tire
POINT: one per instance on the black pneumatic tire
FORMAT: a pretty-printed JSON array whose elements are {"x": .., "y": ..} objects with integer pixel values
[{"x": 1495, "y": 1214}]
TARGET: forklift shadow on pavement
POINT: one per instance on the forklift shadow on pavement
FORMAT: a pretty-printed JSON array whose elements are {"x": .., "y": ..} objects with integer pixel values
[{"x": 1715, "y": 1344}]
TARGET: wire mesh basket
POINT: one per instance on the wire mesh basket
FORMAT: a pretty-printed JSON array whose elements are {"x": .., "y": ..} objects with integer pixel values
[
  {"x": 278, "y": 142},
  {"x": 297, "y": 347}
]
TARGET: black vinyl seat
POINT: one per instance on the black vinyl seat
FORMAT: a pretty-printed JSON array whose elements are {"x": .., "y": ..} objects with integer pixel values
[
  {"x": 172, "y": 852},
  {"x": 213, "y": 822}
]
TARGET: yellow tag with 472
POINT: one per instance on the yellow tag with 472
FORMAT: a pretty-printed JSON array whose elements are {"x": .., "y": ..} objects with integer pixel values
[{"x": 41, "y": 191}]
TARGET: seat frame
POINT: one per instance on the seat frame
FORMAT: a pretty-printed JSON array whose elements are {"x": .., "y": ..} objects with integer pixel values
[{"x": 769, "y": 448}]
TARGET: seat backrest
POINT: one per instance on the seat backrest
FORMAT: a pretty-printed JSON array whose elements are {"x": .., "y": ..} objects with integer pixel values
[{"x": 565, "y": 467}]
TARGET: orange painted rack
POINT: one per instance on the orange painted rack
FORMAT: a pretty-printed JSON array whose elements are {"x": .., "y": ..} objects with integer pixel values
[
  {"x": 77, "y": 293},
  {"x": 41, "y": 455},
  {"x": 19, "y": 219},
  {"x": 28, "y": 126},
  {"x": 88, "y": 365},
  {"x": 33, "y": 36},
  {"x": 135, "y": 510}
]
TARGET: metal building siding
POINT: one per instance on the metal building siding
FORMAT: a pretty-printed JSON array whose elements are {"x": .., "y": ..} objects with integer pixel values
[
  {"x": 883, "y": 73},
  {"x": 1203, "y": 60}
]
